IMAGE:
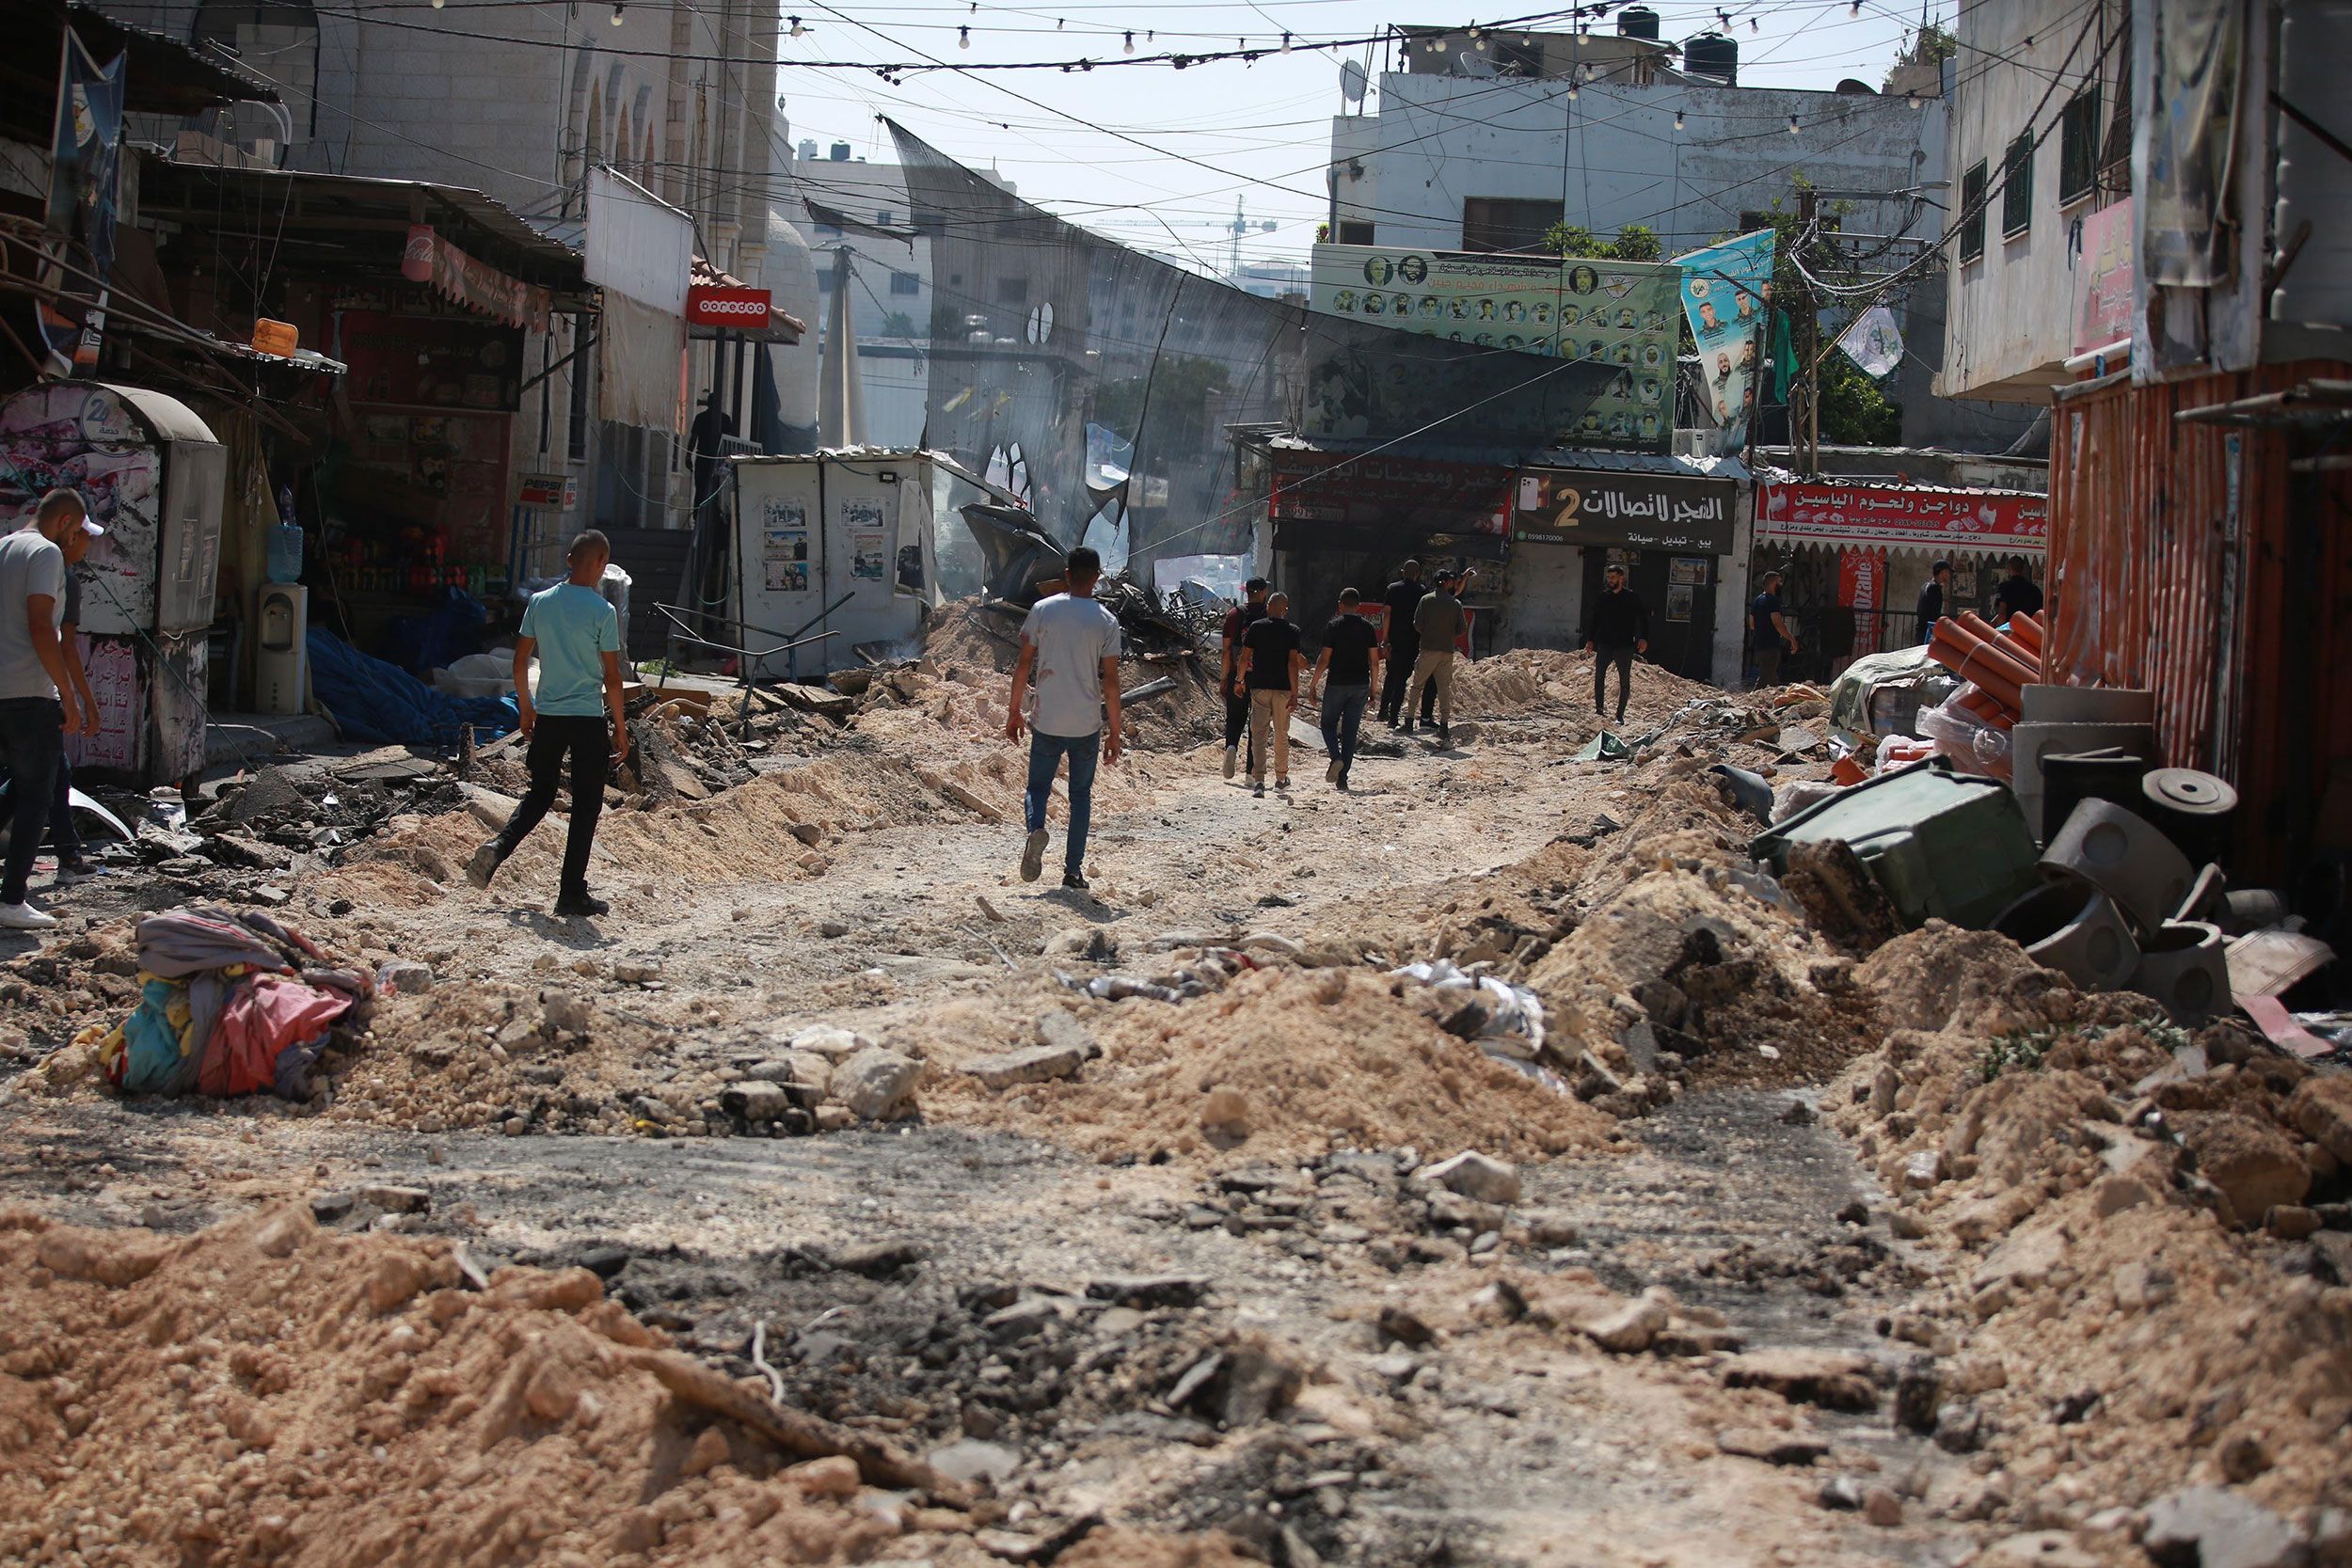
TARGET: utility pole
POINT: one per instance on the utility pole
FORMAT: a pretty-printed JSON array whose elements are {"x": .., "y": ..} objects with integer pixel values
[{"x": 1804, "y": 432}]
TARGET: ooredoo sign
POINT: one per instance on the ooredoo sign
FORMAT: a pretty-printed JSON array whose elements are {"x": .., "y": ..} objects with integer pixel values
[{"x": 735, "y": 309}]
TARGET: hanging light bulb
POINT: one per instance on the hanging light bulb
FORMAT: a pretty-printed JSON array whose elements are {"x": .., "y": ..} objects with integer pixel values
[
  {"x": 1792, "y": 125},
  {"x": 1061, "y": 22},
  {"x": 963, "y": 37},
  {"x": 1678, "y": 119},
  {"x": 1755, "y": 24},
  {"x": 1571, "y": 89},
  {"x": 439, "y": 4},
  {"x": 618, "y": 6},
  {"x": 797, "y": 28},
  {"x": 1286, "y": 43},
  {"x": 1855, "y": 8},
  {"x": 1481, "y": 46},
  {"x": 1131, "y": 43}
]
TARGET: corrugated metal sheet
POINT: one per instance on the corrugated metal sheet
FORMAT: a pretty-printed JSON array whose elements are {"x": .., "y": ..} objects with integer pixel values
[{"x": 2188, "y": 559}]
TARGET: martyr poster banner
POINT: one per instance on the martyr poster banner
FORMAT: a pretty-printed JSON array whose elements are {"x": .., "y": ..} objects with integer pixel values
[{"x": 1619, "y": 313}]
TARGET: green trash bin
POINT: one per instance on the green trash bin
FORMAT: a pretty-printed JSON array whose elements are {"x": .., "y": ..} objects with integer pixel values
[{"x": 1943, "y": 845}]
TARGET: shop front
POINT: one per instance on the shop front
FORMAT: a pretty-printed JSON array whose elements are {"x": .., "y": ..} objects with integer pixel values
[
  {"x": 1341, "y": 519},
  {"x": 1855, "y": 557},
  {"x": 1673, "y": 525}
]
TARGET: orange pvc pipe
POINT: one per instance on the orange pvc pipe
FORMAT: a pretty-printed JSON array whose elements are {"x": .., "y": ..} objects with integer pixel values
[
  {"x": 1984, "y": 665},
  {"x": 2017, "y": 651},
  {"x": 1990, "y": 650}
]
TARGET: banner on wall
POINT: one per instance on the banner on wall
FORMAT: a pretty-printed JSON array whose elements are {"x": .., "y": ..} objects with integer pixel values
[
  {"x": 1898, "y": 515},
  {"x": 1726, "y": 296},
  {"x": 85, "y": 161},
  {"x": 1618, "y": 313},
  {"x": 2103, "y": 279},
  {"x": 1862, "y": 588}
]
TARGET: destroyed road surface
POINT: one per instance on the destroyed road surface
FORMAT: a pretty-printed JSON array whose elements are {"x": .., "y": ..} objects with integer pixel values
[{"x": 840, "y": 1198}]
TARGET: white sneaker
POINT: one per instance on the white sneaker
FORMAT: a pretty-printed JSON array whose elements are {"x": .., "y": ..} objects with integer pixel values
[
  {"x": 23, "y": 917},
  {"x": 1233, "y": 760}
]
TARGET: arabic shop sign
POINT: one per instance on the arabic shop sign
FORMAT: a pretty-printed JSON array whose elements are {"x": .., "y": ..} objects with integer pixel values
[
  {"x": 1641, "y": 511},
  {"x": 1896, "y": 514}
]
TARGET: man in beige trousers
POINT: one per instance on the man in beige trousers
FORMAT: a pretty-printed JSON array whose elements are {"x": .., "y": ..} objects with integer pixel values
[
  {"x": 1440, "y": 622},
  {"x": 1270, "y": 663}
]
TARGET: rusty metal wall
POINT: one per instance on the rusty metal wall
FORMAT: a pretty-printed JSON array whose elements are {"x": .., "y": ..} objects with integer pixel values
[{"x": 2188, "y": 559}]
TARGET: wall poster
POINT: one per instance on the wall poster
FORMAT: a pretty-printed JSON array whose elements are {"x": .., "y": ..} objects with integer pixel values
[
  {"x": 784, "y": 544},
  {"x": 870, "y": 559}
]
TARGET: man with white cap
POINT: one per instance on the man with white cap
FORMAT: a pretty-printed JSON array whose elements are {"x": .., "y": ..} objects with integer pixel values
[{"x": 37, "y": 702}]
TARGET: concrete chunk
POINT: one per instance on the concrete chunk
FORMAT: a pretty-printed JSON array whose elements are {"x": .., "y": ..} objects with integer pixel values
[{"x": 1035, "y": 1064}]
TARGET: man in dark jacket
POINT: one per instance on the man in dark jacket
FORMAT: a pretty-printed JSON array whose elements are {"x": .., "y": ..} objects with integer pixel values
[
  {"x": 1403, "y": 646},
  {"x": 2017, "y": 595},
  {"x": 1935, "y": 599},
  {"x": 1620, "y": 629},
  {"x": 1238, "y": 620}
]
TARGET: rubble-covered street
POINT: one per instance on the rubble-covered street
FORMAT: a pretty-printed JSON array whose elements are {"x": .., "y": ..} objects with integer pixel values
[{"x": 1488, "y": 1165}]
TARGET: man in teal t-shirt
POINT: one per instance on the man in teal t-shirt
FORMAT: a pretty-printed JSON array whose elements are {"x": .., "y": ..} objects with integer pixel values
[{"x": 577, "y": 638}]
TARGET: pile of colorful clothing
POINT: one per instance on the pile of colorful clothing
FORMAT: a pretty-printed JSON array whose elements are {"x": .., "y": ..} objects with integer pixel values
[{"x": 230, "y": 1003}]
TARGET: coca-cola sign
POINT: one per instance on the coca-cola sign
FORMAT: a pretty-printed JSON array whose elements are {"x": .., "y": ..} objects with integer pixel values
[{"x": 733, "y": 309}]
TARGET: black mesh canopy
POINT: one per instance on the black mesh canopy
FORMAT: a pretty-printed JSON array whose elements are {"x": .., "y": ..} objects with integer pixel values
[{"x": 1099, "y": 384}]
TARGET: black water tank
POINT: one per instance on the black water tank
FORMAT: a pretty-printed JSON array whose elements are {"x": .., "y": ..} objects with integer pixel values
[
  {"x": 1638, "y": 22},
  {"x": 841, "y": 152},
  {"x": 1713, "y": 55}
]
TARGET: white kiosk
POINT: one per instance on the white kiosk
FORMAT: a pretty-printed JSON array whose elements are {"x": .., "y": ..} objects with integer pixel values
[{"x": 833, "y": 541}]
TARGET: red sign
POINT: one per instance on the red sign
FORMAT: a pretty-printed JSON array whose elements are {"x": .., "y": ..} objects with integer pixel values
[
  {"x": 1906, "y": 514},
  {"x": 735, "y": 309},
  {"x": 1862, "y": 588}
]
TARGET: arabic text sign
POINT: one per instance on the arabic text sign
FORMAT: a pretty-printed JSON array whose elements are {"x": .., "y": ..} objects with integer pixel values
[
  {"x": 1642, "y": 512},
  {"x": 2103, "y": 279},
  {"x": 1618, "y": 313},
  {"x": 1892, "y": 514},
  {"x": 1725, "y": 295}
]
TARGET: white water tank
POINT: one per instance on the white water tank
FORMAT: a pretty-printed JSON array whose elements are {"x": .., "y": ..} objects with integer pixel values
[
  {"x": 788, "y": 274},
  {"x": 281, "y": 650}
]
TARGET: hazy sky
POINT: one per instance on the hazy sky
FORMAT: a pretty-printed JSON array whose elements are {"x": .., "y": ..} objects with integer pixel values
[{"x": 1257, "y": 131}]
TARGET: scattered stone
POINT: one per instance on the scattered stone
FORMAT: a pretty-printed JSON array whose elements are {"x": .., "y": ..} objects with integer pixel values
[
  {"x": 1842, "y": 1492},
  {"x": 973, "y": 1462},
  {"x": 1226, "y": 1112},
  {"x": 561, "y": 1013},
  {"x": 1396, "y": 1323},
  {"x": 1035, "y": 1064},
  {"x": 403, "y": 977},
  {"x": 831, "y": 928},
  {"x": 1962, "y": 1428},
  {"x": 605, "y": 1262},
  {"x": 2209, "y": 1526},
  {"x": 1626, "y": 1329},
  {"x": 834, "y": 1476},
  {"x": 1918, "y": 1393},
  {"x": 2322, "y": 1107},
  {"x": 1475, "y": 1175},
  {"x": 1882, "y": 1508},
  {"x": 397, "y": 1200},
  {"x": 877, "y": 1259},
  {"x": 2140, "y": 1285},
  {"x": 2242, "y": 1458},
  {"x": 2256, "y": 1165},
  {"x": 2293, "y": 1222},
  {"x": 1062, "y": 1030},
  {"x": 1166, "y": 1290},
  {"x": 1833, "y": 1380},
  {"x": 875, "y": 1083},
  {"x": 2044, "y": 1548},
  {"x": 1773, "y": 1447},
  {"x": 326, "y": 1208}
]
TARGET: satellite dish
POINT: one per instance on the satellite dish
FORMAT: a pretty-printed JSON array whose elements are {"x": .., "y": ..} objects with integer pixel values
[{"x": 1353, "y": 81}]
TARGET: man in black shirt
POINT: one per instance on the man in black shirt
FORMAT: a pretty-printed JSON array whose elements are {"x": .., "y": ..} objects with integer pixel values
[
  {"x": 1404, "y": 645},
  {"x": 2017, "y": 595},
  {"x": 1620, "y": 629},
  {"x": 1344, "y": 675},
  {"x": 1769, "y": 636},
  {"x": 1270, "y": 663},
  {"x": 1935, "y": 599},
  {"x": 1238, "y": 620}
]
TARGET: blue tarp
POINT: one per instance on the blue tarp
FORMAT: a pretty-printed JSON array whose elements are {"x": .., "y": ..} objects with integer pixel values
[{"x": 371, "y": 699}]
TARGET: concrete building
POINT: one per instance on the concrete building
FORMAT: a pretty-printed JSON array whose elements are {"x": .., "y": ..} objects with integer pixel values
[
  {"x": 2041, "y": 180},
  {"x": 1483, "y": 140},
  {"x": 517, "y": 101}
]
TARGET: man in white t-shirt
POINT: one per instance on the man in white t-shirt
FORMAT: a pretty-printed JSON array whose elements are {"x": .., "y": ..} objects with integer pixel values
[
  {"x": 38, "y": 698},
  {"x": 1071, "y": 643}
]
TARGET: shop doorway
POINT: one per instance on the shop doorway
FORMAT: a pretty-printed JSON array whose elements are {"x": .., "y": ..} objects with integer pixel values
[{"x": 1679, "y": 591}]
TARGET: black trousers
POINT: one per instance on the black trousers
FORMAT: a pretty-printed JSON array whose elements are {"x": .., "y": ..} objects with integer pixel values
[
  {"x": 32, "y": 743},
  {"x": 1237, "y": 725},
  {"x": 1398, "y": 675},
  {"x": 1603, "y": 657},
  {"x": 588, "y": 744}
]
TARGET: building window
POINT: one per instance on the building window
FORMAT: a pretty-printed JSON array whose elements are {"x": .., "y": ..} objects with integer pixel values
[
  {"x": 1499, "y": 224},
  {"x": 1973, "y": 186},
  {"x": 1355, "y": 233},
  {"x": 2078, "y": 148},
  {"x": 1012, "y": 290},
  {"x": 2017, "y": 187},
  {"x": 906, "y": 284}
]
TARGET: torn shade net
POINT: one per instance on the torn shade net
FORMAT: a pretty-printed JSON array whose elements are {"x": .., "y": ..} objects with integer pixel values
[{"x": 1041, "y": 330}]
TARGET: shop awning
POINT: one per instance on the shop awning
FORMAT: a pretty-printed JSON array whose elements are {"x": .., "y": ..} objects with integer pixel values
[
  {"x": 164, "y": 75},
  {"x": 352, "y": 228}
]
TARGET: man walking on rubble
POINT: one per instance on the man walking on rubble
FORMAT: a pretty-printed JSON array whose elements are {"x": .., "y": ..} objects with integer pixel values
[
  {"x": 1345, "y": 672},
  {"x": 39, "y": 705},
  {"x": 577, "y": 636},
  {"x": 1070, "y": 641},
  {"x": 1238, "y": 620},
  {"x": 1769, "y": 637},
  {"x": 1438, "y": 623},
  {"x": 1620, "y": 630},
  {"x": 1403, "y": 597},
  {"x": 1270, "y": 663}
]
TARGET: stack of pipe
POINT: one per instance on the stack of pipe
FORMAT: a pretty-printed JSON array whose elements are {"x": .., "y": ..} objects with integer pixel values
[{"x": 1997, "y": 665}]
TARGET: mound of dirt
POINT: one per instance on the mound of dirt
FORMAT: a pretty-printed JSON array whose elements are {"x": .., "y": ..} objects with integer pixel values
[
  {"x": 1940, "y": 976},
  {"x": 267, "y": 1392},
  {"x": 1281, "y": 1064},
  {"x": 969, "y": 652},
  {"x": 1528, "y": 682}
]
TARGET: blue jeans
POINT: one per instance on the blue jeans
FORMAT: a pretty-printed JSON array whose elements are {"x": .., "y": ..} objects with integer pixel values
[
  {"x": 1342, "y": 716},
  {"x": 1045, "y": 753}
]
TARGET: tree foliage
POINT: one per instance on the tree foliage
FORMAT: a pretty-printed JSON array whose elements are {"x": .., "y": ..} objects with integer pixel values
[
  {"x": 1930, "y": 45},
  {"x": 1635, "y": 242}
]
